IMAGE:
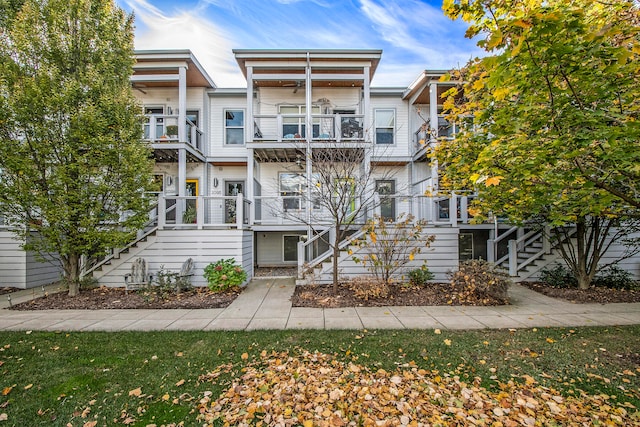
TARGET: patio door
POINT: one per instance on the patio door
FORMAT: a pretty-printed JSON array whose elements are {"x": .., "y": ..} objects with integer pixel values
[
  {"x": 189, "y": 215},
  {"x": 386, "y": 188},
  {"x": 232, "y": 188}
]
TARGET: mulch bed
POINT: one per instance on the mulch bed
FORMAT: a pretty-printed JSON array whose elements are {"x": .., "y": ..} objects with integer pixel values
[
  {"x": 583, "y": 296},
  {"x": 399, "y": 295},
  {"x": 7, "y": 290},
  {"x": 115, "y": 298}
]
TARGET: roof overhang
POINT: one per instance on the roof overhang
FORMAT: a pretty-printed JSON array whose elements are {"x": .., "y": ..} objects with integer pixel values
[
  {"x": 159, "y": 68},
  {"x": 287, "y": 67}
]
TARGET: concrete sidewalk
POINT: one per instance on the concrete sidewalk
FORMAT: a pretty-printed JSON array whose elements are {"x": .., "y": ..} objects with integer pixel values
[{"x": 265, "y": 304}]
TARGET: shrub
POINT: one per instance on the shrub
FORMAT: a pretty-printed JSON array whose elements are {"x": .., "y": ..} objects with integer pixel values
[
  {"x": 558, "y": 276},
  {"x": 614, "y": 277},
  {"x": 365, "y": 287},
  {"x": 224, "y": 274},
  {"x": 420, "y": 276},
  {"x": 478, "y": 281}
]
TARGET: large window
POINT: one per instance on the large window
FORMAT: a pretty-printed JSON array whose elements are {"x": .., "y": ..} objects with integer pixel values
[
  {"x": 234, "y": 127},
  {"x": 294, "y": 118},
  {"x": 385, "y": 126},
  {"x": 158, "y": 121}
]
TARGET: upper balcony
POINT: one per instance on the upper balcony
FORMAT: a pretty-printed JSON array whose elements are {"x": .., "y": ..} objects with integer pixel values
[
  {"x": 163, "y": 131},
  {"x": 292, "y": 127}
]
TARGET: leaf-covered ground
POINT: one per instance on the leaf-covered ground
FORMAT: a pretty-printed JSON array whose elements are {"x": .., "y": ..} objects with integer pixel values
[
  {"x": 97, "y": 379},
  {"x": 316, "y": 389}
]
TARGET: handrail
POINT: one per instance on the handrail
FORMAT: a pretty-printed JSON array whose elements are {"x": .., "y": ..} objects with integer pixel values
[{"x": 152, "y": 222}]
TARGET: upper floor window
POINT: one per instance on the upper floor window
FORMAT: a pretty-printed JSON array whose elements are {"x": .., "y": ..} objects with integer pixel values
[
  {"x": 294, "y": 119},
  {"x": 385, "y": 124},
  {"x": 234, "y": 126}
]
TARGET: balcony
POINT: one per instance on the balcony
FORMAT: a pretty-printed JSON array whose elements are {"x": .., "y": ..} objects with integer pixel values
[
  {"x": 291, "y": 128},
  {"x": 162, "y": 131}
]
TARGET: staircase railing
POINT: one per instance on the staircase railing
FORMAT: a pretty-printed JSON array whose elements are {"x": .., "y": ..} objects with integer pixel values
[
  {"x": 147, "y": 229},
  {"x": 306, "y": 260},
  {"x": 493, "y": 244},
  {"x": 517, "y": 247}
]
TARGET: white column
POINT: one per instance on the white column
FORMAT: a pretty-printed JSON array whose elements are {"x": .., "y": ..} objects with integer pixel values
[
  {"x": 249, "y": 127},
  {"x": 433, "y": 124},
  {"x": 182, "y": 104},
  {"x": 250, "y": 185},
  {"x": 309, "y": 136},
  {"x": 366, "y": 106}
]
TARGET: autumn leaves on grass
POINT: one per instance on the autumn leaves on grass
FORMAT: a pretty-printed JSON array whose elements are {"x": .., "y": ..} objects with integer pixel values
[{"x": 316, "y": 389}]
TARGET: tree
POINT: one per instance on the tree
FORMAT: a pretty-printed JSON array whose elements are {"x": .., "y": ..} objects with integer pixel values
[
  {"x": 342, "y": 194},
  {"x": 555, "y": 107},
  {"x": 74, "y": 167}
]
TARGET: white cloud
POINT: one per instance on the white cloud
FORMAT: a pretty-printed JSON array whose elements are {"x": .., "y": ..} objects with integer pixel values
[{"x": 187, "y": 29}]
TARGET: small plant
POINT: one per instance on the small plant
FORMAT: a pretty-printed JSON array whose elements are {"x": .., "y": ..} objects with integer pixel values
[
  {"x": 420, "y": 276},
  {"x": 365, "y": 287},
  {"x": 172, "y": 130},
  {"x": 615, "y": 278},
  {"x": 189, "y": 216},
  {"x": 558, "y": 276},
  {"x": 224, "y": 274},
  {"x": 478, "y": 282}
]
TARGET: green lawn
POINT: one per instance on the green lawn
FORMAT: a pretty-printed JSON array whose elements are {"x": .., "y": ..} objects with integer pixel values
[{"x": 60, "y": 379}]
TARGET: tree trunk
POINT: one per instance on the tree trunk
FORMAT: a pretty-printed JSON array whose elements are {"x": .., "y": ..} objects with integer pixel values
[
  {"x": 336, "y": 255},
  {"x": 71, "y": 265}
]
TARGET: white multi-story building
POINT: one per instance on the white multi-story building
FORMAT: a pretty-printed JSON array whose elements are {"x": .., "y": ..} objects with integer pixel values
[{"x": 234, "y": 165}]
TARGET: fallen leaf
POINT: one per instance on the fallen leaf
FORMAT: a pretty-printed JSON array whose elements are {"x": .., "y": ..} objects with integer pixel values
[
  {"x": 135, "y": 392},
  {"x": 90, "y": 424},
  {"x": 437, "y": 331},
  {"x": 179, "y": 383},
  {"x": 244, "y": 356},
  {"x": 447, "y": 341},
  {"x": 7, "y": 390},
  {"x": 28, "y": 386},
  {"x": 4, "y": 417}
]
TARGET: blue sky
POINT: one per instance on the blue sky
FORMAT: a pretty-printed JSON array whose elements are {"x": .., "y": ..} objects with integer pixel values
[{"x": 414, "y": 35}]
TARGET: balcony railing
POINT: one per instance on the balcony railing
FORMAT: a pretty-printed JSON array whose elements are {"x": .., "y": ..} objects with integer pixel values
[
  {"x": 164, "y": 129},
  {"x": 292, "y": 127},
  {"x": 203, "y": 211}
]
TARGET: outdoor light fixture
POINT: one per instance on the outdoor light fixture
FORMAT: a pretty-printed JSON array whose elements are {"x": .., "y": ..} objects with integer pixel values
[{"x": 9, "y": 299}]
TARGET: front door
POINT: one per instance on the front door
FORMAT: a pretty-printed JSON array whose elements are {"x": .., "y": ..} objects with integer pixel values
[
  {"x": 386, "y": 189},
  {"x": 232, "y": 188}
]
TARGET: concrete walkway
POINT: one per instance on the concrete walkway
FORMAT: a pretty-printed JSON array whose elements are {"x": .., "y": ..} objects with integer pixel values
[{"x": 265, "y": 304}]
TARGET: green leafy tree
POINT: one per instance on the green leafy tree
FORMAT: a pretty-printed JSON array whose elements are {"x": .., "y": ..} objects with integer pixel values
[
  {"x": 555, "y": 105},
  {"x": 74, "y": 167}
]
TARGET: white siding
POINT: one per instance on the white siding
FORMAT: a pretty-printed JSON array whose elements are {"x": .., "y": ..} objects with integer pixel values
[
  {"x": 168, "y": 97},
  {"x": 21, "y": 269},
  {"x": 401, "y": 147},
  {"x": 441, "y": 257},
  {"x": 170, "y": 248},
  {"x": 217, "y": 147}
]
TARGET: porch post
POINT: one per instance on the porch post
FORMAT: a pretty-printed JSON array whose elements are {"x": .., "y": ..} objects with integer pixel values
[
  {"x": 249, "y": 128},
  {"x": 182, "y": 104},
  {"x": 453, "y": 209},
  {"x": 162, "y": 214},
  {"x": 250, "y": 184},
  {"x": 366, "y": 105},
  {"x": 239, "y": 211},
  {"x": 309, "y": 136},
  {"x": 433, "y": 124}
]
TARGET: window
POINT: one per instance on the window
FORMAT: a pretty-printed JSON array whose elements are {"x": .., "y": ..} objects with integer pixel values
[
  {"x": 293, "y": 121},
  {"x": 159, "y": 122},
  {"x": 290, "y": 247},
  {"x": 385, "y": 126},
  {"x": 292, "y": 190},
  {"x": 234, "y": 127}
]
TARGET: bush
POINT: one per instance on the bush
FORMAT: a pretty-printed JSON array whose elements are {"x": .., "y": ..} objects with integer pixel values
[
  {"x": 420, "y": 276},
  {"x": 558, "y": 276},
  {"x": 366, "y": 287},
  {"x": 615, "y": 278},
  {"x": 478, "y": 281},
  {"x": 224, "y": 274}
]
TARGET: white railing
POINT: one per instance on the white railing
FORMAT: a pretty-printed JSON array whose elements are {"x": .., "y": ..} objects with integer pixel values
[
  {"x": 292, "y": 127},
  {"x": 203, "y": 211},
  {"x": 162, "y": 128}
]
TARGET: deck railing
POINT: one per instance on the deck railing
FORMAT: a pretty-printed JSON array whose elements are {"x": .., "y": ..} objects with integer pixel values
[
  {"x": 292, "y": 127},
  {"x": 162, "y": 128},
  {"x": 203, "y": 211}
]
